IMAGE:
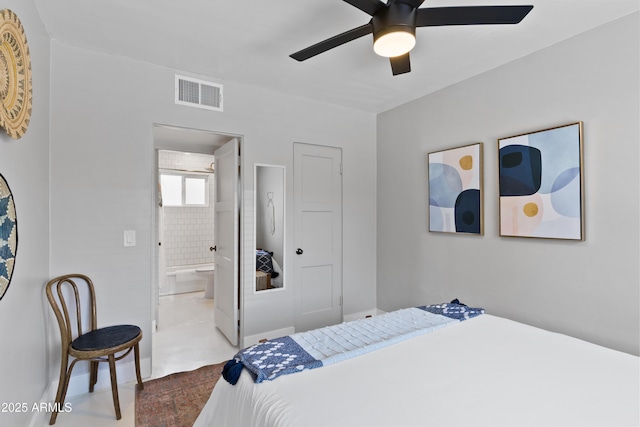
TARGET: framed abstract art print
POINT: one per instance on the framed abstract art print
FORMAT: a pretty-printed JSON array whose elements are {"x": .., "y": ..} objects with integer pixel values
[
  {"x": 455, "y": 190},
  {"x": 541, "y": 183}
]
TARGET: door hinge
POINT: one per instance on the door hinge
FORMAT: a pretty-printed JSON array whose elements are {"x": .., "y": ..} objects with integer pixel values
[
  {"x": 340, "y": 168},
  {"x": 341, "y": 300}
]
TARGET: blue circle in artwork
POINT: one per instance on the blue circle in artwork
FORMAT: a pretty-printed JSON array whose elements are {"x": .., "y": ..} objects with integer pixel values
[
  {"x": 566, "y": 194},
  {"x": 436, "y": 223},
  {"x": 520, "y": 170},
  {"x": 444, "y": 185},
  {"x": 8, "y": 236},
  {"x": 467, "y": 212},
  {"x": 565, "y": 178}
]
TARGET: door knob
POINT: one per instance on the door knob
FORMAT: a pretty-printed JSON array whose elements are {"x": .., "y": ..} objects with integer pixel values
[{"x": 299, "y": 251}]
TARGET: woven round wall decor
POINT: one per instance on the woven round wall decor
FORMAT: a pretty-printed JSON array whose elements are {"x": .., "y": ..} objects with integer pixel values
[
  {"x": 15, "y": 76},
  {"x": 8, "y": 235}
]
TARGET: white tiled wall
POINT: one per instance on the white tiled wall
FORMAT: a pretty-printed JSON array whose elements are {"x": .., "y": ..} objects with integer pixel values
[{"x": 188, "y": 231}]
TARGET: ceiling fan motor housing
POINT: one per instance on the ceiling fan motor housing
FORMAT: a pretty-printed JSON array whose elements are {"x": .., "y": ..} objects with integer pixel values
[{"x": 396, "y": 17}]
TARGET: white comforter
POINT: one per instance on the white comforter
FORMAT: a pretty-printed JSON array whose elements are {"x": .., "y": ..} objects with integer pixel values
[{"x": 486, "y": 371}]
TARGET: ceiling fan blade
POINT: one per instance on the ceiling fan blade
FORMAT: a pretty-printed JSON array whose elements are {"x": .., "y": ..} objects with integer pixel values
[
  {"x": 471, "y": 15},
  {"x": 400, "y": 64},
  {"x": 367, "y": 6},
  {"x": 334, "y": 41},
  {"x": 414, "y": 3}
]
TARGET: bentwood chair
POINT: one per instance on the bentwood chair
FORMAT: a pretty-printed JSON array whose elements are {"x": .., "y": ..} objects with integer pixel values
[{"x": 67, "y": 295}]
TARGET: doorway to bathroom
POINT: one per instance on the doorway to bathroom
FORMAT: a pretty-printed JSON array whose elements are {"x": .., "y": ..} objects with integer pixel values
[
  {"x": 183, "y": 273},
  {"x": 185, "y": 222}
]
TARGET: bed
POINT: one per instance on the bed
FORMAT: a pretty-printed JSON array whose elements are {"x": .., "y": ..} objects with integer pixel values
[{"x": 485, "y": 371}]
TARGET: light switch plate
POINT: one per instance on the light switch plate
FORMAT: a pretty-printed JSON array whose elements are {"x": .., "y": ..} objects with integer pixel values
[{"x": 129, "y": 238}]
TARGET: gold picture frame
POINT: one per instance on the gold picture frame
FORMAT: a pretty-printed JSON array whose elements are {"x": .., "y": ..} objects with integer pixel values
[
  {"x": 541, "y": 184},
  {"x": 456, "y": 190}
]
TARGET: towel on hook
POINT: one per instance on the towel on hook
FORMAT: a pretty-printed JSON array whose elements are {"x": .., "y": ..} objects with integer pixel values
[{"x": 272, "y": 222}]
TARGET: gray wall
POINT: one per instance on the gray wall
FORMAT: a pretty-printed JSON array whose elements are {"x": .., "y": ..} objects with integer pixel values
[
  {"x": 102, "y": 178},
  {"x": 25, "y": 165},
  {"x": 584, "y": 289}
]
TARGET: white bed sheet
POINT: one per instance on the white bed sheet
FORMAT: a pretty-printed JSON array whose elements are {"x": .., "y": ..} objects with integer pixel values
[{"x": 486, "y": 371}]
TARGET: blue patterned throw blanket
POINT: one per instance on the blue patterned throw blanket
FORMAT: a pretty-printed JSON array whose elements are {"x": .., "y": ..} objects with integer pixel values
[{"x": 332, "y": 344}]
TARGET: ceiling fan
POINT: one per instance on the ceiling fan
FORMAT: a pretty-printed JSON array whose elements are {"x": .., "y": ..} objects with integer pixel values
[{"x": 393, "y": 25}]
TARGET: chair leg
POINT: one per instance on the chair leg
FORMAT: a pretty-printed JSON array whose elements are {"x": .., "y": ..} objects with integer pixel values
[
  {"x": 63, "y": 385},
  {"x": 114, "y": 385},
  {"x": 93, "y": 375},
  {"x": 136, "y": 352}
]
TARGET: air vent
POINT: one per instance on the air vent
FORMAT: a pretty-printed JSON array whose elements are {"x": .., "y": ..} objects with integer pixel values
[{"x": 198, "y": 93}]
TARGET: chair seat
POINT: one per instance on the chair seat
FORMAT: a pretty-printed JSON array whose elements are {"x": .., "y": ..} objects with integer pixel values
[{"x": 102, "y": 338}]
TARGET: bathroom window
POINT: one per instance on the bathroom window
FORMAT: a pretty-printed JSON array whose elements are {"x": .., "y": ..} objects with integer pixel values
[
  {"x": 195, "y": 191},
  {"x": 184, "y": 189}
]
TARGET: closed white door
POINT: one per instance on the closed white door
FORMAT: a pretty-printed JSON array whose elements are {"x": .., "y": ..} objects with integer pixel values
[
  {"x": 226, "y": 234},
  {"x": 317, "y": 256}
]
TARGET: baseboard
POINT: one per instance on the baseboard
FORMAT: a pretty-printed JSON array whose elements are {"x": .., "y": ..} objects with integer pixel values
[
  {"x": 362, "y": 314},
  {"x": 41, "y": 418},
  {"x": 255, "y": 339}
]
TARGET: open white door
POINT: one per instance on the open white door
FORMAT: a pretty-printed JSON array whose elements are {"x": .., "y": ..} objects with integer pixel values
[{"x": 226, "y": 234}]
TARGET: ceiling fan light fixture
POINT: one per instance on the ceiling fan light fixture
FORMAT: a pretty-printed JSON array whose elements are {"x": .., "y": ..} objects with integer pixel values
[
  {"x": 394, "y": 29},
  {"x": 394, "y": 43}
]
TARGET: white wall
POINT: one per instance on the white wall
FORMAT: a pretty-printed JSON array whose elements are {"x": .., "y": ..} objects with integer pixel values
[
  {"x": 24, "y": 163},
  {"x": 585, "y": 289},
  {"x": 103, "y": 109}
]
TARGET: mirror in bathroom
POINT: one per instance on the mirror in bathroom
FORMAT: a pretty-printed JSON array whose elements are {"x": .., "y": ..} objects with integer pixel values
[{"x": 269, "y": 188}]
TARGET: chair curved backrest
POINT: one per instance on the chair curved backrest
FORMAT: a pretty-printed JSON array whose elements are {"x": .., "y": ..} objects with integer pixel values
[{"x": 65, "y": 294}]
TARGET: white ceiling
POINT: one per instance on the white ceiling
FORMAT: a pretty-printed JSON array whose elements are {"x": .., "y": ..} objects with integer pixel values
[{"x": 249, "y": 42}]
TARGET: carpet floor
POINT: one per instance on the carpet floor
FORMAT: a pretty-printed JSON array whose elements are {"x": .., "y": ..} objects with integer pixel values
[{"x": 177, "y": 399}]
